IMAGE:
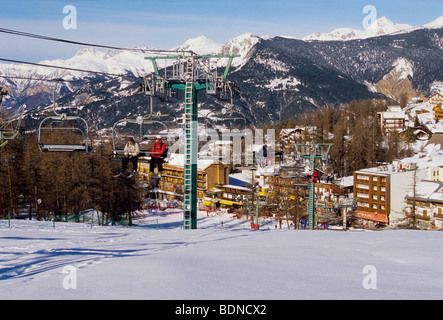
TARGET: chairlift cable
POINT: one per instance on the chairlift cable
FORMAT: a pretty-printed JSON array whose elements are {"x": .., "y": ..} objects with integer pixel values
[
  {"x": 38, "y": 79},
  {"x": 66, "y": 68},
  {"x": 51, "y": 80},
  {"x": 37, "y": 36}
]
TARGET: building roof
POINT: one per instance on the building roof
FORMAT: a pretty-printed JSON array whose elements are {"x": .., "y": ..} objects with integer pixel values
[
  {"x": 427, "y": 191},
  {"x": 240, "y": 179},
  {"x": 431, "y": 157},
  {"x": 437, "y": 139},
  {"x": 346, "y": 182},
  {"x": 178, "y": 160}
]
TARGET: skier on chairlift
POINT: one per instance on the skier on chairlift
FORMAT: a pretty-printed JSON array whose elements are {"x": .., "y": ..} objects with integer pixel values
[
  {"x": 315, "y": 177},
  {"x": 157, "y": 156},
  {"x": 131, "y": 152}
]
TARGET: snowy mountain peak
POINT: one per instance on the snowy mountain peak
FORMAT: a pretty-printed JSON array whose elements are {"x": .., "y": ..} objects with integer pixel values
[
  {"x": 437, "y": 23},
  {"x": 240, "y": 45},
  {"x": 384, "y": 26},
  {"x": 200, "y": 45},
  {"x": 88, "y": 51},
  {"x": 380, "y": 27}
]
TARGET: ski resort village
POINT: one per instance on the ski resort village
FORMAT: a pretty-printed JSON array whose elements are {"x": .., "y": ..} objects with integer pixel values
[{"x": 261, "y": 168}]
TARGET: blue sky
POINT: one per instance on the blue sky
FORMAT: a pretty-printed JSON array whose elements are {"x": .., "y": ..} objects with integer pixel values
[{"x": 169, "y": 23}]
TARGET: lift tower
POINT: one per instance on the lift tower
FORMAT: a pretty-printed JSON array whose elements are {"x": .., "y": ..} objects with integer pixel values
[
  {"x": 312, "y": 152},
  {"x": 191, "y": 73}
]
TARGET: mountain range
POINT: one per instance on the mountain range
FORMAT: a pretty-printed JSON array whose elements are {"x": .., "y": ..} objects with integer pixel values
[
  {"x": 278, "y": 77},
  {"x": 380, "y": 27}
]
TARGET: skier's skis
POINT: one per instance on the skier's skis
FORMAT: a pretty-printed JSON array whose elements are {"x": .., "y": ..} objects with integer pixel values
[{"x": 126, "y": 174}]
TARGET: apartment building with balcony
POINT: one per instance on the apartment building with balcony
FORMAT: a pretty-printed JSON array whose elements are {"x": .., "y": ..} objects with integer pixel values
[
  {"x": 425, "y": 204},
  {"x": 381, "y": 192},
  {"x": 393, "y": 120}
]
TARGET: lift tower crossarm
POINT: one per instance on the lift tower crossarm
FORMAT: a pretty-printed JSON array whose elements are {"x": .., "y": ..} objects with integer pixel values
[{"x": 220, "y": 56}]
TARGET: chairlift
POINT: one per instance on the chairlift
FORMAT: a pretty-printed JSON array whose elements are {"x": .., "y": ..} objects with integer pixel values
[
  {"x": 146, "y": 123},
  {"x": 77, "y": 126},
  {"x": 145, "y": 132},
  {"x": 226, "y": 90},
  {"x": 64, "y": 123},
  {"x": 10, "y": 126},
  {"x": 228, "y": 114}
]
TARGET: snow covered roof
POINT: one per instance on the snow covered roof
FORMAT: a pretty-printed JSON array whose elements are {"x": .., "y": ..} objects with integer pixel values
[
  {"x": 431, "y": 157},
  {"x": 240, "y": 179},
  {"x": 428, "y": 191},
  {"x": 230, "y": 186},
  {"x": 394, "y": 115},
  {"x": 425, "y": 115},
  {"x": 178, "y": 160},
  {"x": 394, "y": 112},
  {"x": 346, "y": 182}
]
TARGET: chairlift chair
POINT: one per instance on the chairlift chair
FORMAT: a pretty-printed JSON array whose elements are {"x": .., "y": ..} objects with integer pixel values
[
  {"x": 63, "y": 123},
  {"x": 227, "y": 114}
]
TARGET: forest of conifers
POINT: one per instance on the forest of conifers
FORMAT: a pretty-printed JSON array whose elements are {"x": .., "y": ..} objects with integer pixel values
[{"x": 52, "y": 183}]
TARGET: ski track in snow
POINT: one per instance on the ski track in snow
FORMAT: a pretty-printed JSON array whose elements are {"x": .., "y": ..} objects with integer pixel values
[
  {"x": 82, "y": 250},
  {"x": 214, "y": 262}
]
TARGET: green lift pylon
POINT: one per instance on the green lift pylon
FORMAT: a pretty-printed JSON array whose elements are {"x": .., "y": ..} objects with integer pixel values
[
  {"x": 313, "y": 152},
  {"x": 184, "y": 75},
  {"x": 190, "y": 153}
]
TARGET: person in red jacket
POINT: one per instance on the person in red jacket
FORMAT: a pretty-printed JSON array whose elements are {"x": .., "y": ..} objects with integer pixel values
[
  {"x": 315, "y": 177},
  {"x": 157, "y": 155}
]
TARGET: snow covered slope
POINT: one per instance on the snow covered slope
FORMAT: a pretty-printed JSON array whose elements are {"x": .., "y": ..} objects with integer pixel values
[{"x": 215, "y": 262}]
